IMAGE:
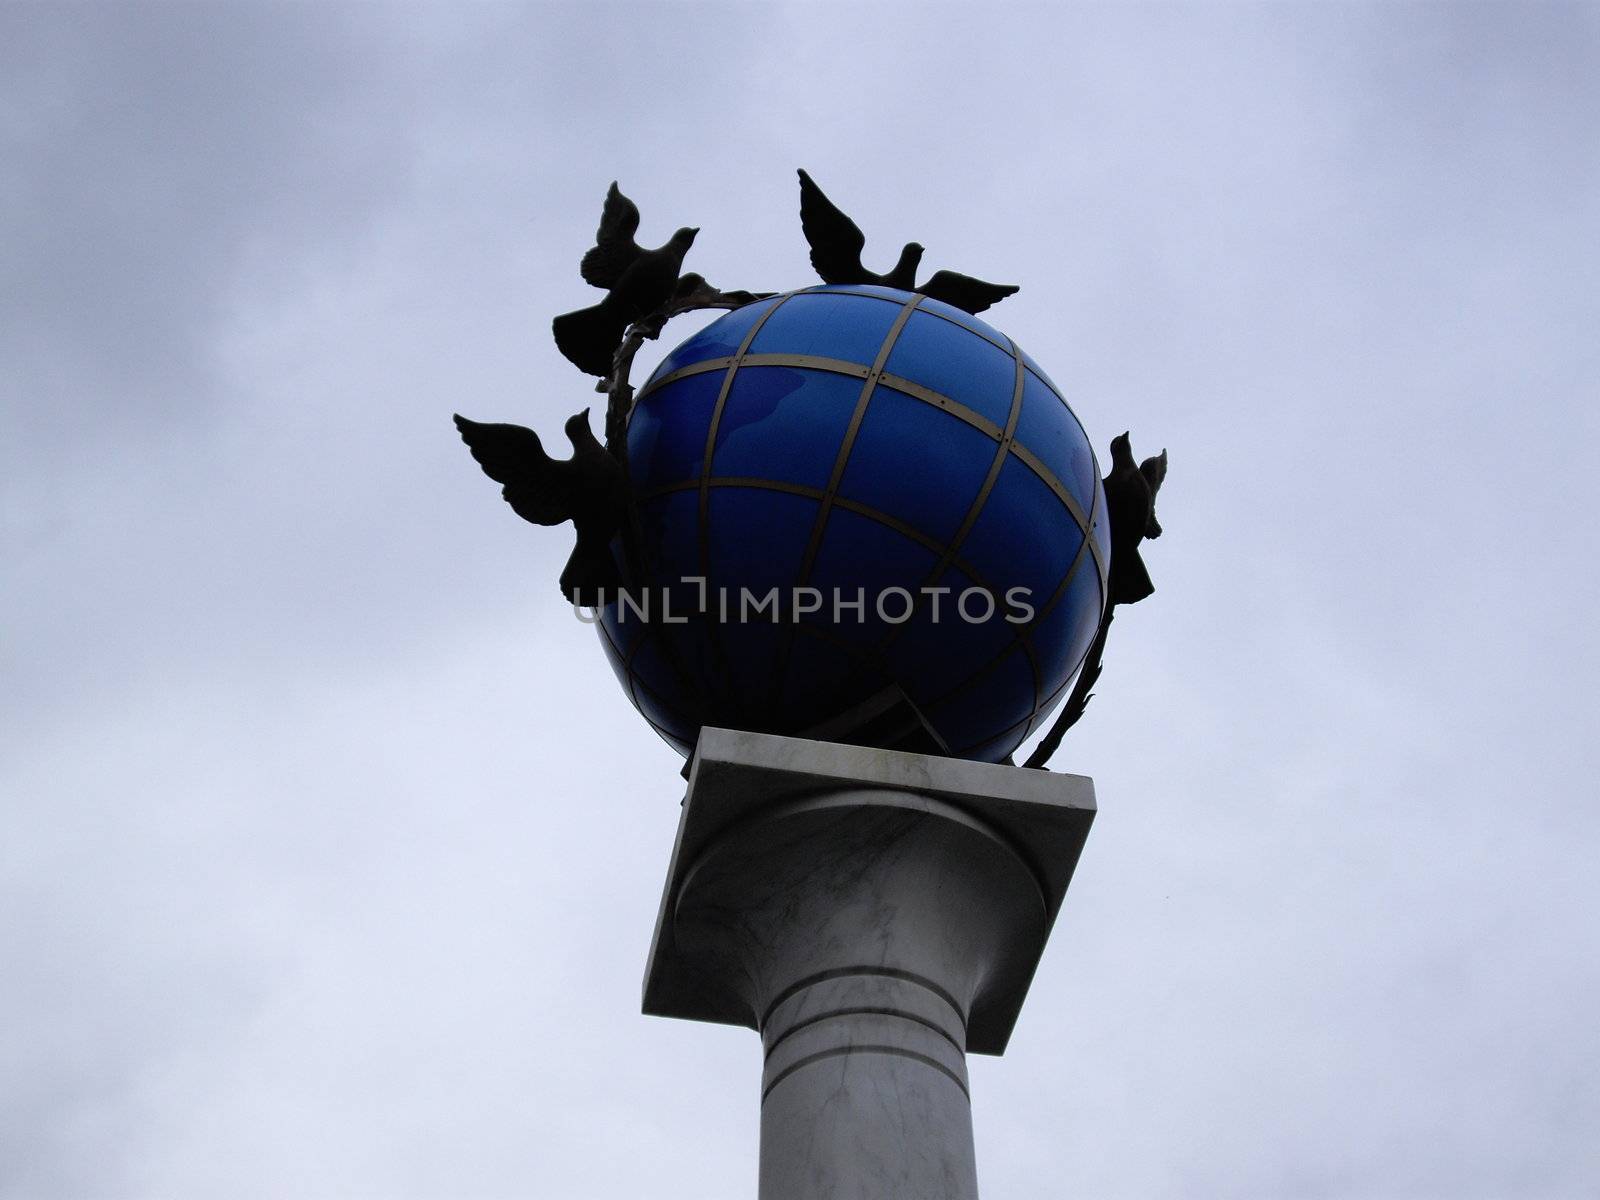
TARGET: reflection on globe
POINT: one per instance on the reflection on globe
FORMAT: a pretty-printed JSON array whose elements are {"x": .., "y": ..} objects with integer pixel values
[{"x": 859, "y": 515}]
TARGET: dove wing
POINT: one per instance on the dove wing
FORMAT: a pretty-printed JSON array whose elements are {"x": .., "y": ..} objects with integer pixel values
[
  {"x": 1154, "y": 470},
  {"x": 836, "y": 241},
  {"x": 614, "y": 250},
  {"x": 541, "y": 489},
  {"x": 966, "y": 293}
]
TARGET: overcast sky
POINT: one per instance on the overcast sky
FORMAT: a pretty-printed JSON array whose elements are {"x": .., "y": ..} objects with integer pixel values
[{"x": 331, "y": 849}]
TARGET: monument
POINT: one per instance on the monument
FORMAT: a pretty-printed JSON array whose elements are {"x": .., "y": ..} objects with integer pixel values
[{"x": 846, "y": 549}]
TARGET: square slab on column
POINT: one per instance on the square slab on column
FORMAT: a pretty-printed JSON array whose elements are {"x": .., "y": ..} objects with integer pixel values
[{"x": 1044, "y": 815}]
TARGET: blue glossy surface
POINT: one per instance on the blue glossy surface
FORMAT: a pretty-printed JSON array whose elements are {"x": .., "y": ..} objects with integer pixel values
[
  {"x": 997, "y": 749},
  {"x": 697, "y": 658},
  {"x": 669, "y": 527},
  {"x": 665, "y": 720},
  {"x": 1063, "y": 633},
  {"x": 720, "y": 339},
  {"x": 1024, "y": 537},
  {"x": 1028, "y": 361},
  {"x": 651, "y": 670},
  {"x": 1058, "y": 444},
  {"x": 807, "y": 412},
  {"x": 1002, "y": 696},
  {"x": 934, "y": 493},
  {"x": 1100, "y": 531},
  {"x": 614, "y": 656},
  {"x": 943, "y": 356},
  {"x": 965, "y": 319},
  {"x": 624, "y": 635},
  {"x": 912, "y": 461},
  {"x": 1085, "y": 602},
  {"x": 822, "y": 680},
  {"x": 940, "y": 649},
  {"x": 830, "y": 325},
  {"x": 667, "y": 443},
  {"x": 739, "y": 518},
  {"x": 753, "y": 655},
  {"x": 858, "y": 552}
]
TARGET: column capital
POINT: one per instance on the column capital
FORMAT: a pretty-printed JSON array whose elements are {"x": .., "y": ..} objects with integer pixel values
[{"x": 769, "y": 820}]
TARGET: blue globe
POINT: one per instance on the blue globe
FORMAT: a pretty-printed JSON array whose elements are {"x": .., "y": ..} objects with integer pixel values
[{"x": 858, "y": 515}]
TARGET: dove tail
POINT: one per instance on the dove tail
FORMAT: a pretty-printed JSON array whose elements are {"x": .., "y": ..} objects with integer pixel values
[
  {"x": 589, "y": 337},
  {"x": 1130, "y": 580},
  {"x": 591, "y": 577}
]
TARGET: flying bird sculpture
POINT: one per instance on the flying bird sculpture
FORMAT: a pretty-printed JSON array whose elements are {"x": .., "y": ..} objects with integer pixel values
[
  {"x": 589, "y": 489},
  {"x": 1131, "y": 513},
  {"x": 637, "y": 282},
  {"x": 1130, "y": 510},
  {"x": 837, "y": 243}
]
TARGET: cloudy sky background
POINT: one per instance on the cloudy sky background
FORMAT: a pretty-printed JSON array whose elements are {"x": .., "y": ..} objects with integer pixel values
[{"x": 331, "y": 849}]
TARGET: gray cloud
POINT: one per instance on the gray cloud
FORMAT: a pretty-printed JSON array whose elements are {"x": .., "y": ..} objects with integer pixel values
[{"x": 165, "y": 152}]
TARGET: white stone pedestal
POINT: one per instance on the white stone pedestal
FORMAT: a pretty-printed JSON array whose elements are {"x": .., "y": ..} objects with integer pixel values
[{"x": 875, "y": 915}]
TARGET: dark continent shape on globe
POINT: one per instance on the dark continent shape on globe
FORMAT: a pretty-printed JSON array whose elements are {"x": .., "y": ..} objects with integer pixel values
[{"x": 856, "y": 440}]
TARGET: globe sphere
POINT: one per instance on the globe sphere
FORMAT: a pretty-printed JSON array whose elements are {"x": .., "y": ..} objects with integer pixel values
[{"x": 858, "y": 515}]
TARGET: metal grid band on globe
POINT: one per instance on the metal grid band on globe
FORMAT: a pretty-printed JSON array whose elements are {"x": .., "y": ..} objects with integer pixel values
[
  {"x": 841, "y": 460},
  {"x": 1022, "y": 639},
  {"x": 1041, "y": 703},
  {"x": 974, "y": 510},
  {"x": 860, "y": 654},
  {"x": 847, "y": 443},
  {"x": 866, "y": 656},
  {"x": 975, "y": 328},
  {"x": 703, "y": 534},
  {"x": 1027, "y": 725},
  {"x": 733, "y": 363},
  {"x": 866, "y": 293},
  {"x": 917, "y": 391},
  {"x": 828, "y": 498},
  {"x": 888, "y": 520},
  {"x": 669, "y": 653},
  {"x": 637, "y": 685},
  {"x": 1044, "y": 704}
]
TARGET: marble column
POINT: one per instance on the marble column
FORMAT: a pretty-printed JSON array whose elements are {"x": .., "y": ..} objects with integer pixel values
[{"x": 876, "y": 915}]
